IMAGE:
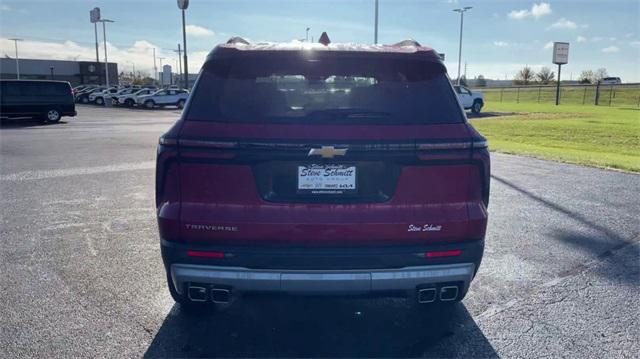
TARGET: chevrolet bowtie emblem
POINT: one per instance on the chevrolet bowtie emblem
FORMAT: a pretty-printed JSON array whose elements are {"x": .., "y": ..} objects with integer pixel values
[{"x": 327, "y": 152}]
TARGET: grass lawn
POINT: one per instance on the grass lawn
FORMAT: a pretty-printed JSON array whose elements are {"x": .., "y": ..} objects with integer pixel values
[{"x": 598, "y": 136}]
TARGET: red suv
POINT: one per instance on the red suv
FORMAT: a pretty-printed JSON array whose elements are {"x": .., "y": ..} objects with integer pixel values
[{"x": 322, "y": 169}]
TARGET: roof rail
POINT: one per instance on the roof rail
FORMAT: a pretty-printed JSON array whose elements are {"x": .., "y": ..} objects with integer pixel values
[
  {"x": 409, "y": 42},
  {"x": 237, "y": 40}
]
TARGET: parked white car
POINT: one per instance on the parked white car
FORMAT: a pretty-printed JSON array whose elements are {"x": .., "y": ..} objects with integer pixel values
[
  {"x": 168, "y": 97},
  {"x": 99, "y": 97},
  {"x": 611, "y": 81},
  {"x": 131, "y": 99},
  {"x": 470, "y": 100}
]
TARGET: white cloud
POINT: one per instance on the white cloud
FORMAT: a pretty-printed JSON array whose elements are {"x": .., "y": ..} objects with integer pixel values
[
  {"x": 610, "y": 49},
  {"x": 563, "y": 24},
  {"x": 537, "y": 11},
  {"x": 500, "y": 43},
  {"x": 548, "y": 45},
  {"x": 581, "y": 39},
  {"x": 4, "y": 7},
  {"x": 196, "y": 30},
  {"x": 635, "y": 44},
  {"x": 541, "y": 9},
  {"x": 140, "y": 53},
  {"x": 628, "y": 35},
  {"x": 519, "y": 14}
]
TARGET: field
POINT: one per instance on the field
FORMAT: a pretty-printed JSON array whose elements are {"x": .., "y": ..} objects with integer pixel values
[
  {"x": 616, "y": 96},
  {"x": 599, "y": 136}
]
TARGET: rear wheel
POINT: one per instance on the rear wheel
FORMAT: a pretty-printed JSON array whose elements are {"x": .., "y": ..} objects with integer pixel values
[
  {"x": 99, "y": 101},
  {"x": 180, "y": 104},
  {"x": 52, "y": 116},
  {"x": 477, "y": 107},
  {"x": 129, "y": 102},
  {"x": 84, "y": 99},
  {"x": 149, "y": 104}
]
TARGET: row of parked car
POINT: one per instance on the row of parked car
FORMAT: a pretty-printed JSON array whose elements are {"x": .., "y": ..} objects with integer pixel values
[{"x": 146, "y": 97}]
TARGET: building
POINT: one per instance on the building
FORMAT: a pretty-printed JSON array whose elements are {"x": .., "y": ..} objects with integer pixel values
[{"x": 76, "y": 72}]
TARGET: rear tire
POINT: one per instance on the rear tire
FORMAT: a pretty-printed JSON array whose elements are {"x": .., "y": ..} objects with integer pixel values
[
  {"x": 180, "y": 104},
  {"x": 149, "y": 104},
  {"x": 99, "y": 101},
  {"x": 129, "y": 102},
  {"x": 476, "y": 107},
  {"x": 84, "y": 100},
  {"x": 52, "y": 116}
]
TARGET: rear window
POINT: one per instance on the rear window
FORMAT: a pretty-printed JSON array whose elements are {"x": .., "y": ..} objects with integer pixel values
[
  {"x": 36, "y": 89},
  {"x": 319, "y": 88}
]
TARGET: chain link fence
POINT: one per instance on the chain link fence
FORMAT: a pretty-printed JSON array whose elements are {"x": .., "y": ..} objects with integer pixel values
[{"x": 601, "y": 95}]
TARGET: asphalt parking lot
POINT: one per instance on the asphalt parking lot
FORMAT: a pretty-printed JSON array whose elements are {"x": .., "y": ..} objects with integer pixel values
[{"x": 81, "y": 272}]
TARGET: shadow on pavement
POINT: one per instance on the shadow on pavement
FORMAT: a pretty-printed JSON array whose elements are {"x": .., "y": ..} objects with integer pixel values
[
  {"x": 473, "y": 116},
  {"x": 285, "y": 326}
]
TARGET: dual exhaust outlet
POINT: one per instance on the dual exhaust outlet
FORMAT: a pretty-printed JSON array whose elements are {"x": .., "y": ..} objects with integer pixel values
[
  {"x": 204, "y": 293},
  {"x": 446, "y": 293}
]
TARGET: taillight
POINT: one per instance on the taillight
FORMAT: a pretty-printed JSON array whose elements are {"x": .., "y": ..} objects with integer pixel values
[
  {"x": 206, "y": 254},
  {"x": 440, "y": 254}
]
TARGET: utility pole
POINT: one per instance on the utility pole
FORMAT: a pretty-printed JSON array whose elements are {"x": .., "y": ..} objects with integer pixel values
[
  {"x": 461, "y": 11},
  {"x": 106, "y": 59},
  {"x": 155, "y": 67},
  {"x": 179, "y": 51},
  {"x": 161, "y": 73},
  {"x": 15, "y": 41},
  {"x": 184, "y": 43},
  {"x": 375, "y": 30}
]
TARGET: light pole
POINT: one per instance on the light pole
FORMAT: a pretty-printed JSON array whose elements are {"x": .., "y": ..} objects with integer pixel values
[
  {"x": 155, "y": 67},
  {"x": 306, "y": 38},
  {"x": 106, "y": 61},
  {"x": 15, "y": 41},
  {"x": 375, "y": 30},
  {"x": 461, "y": 11},
  {"x": 51, "y": 68},
  {"x": 161, "y": 73},
  {"x": 94, "y": 17},
  {"x": 183, "y": 5}
]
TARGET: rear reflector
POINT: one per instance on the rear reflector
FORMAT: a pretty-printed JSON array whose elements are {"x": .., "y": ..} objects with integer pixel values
[
  {"x": 437, "y": 254},
  {"x": 205, "y": 254}
]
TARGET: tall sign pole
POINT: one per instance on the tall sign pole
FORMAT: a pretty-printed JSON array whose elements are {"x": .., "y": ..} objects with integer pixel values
[
  {"x": 560, "y": 57},
  {"x": 94, "y": 16},
  {"x": 183, "y": 5}
]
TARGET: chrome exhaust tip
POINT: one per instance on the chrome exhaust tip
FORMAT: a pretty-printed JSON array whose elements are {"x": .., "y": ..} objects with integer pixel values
[
  {"x": 197, "y": 293},
  {"x": 426, "y": 295},
  {"x": 448, "y": 293},
  {"x": 221, "y": 295}
]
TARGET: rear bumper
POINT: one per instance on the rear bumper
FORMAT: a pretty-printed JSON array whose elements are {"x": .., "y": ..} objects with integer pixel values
[
  {"x": 316, "y": 281},
  {"x": 349, "y": 270}
]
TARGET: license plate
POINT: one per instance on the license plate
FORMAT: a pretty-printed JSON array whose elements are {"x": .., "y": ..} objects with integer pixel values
[{"x": 326, "y": 179}]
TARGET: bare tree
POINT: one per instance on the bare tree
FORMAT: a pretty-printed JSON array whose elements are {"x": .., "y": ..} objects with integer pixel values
[
  {"x": 600, "y": 74},
  {"x": 524, "y": 76},
  {"x": 545, "y": 75},
  {"x": 586, "y": 77}
]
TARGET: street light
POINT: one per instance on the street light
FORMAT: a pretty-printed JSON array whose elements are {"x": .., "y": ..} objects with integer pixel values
[
  {"x": 375, "y": 30},
  {"x": 51, "y": 68},
  {"x": 183, "y": 5},
  {"x": 106, "y": 61},
  {"x": 306, "y": 38},
  {"x": 15, "y": 40},
  {"x": 461, "y": 11}
]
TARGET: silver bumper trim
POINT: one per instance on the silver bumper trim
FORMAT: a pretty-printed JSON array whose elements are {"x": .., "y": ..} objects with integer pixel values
[{"x": 318, "y": 281}]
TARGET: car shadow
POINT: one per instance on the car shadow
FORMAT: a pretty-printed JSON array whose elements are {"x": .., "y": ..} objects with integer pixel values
[
  {"x": 290, "y": 326},
  {"x": 472, "y": 116},
  {"x": 26, "y": 122}
]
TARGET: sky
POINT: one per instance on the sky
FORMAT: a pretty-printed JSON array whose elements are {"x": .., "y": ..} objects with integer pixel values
[{"x": 499, "y": 38}]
